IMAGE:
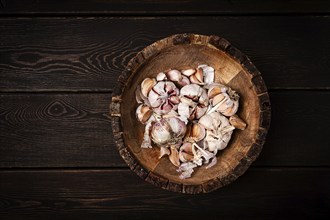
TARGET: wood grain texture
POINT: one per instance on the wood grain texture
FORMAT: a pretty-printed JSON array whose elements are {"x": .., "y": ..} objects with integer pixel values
[
  {"x": 71, "y": 130},
  {"x": 100, "y": 194},
  {"x": 56, "y": 130},
  {"x": 156, "y": 7},
  {"x": 88, "y": 54}
]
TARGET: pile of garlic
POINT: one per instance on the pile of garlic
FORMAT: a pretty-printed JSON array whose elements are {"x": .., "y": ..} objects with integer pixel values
[{"x": 186, "y": 114}]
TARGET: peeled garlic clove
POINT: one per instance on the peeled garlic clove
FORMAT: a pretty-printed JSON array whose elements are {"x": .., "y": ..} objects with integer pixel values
[
  {"x": 143, "y": 113},
  {"x": 161, "y": 76},
  {"x": 163, "y": 152},
  {"x": 185, "y": 153},
  {"x": 147, "y": 85},
  {"x": 208, "y": 73},
  {"x": 174, "y": 156},
  {"x": 237, "y": 122},
  {"x": 174, "y": 75},
  {"x": 188, "y": 72}
]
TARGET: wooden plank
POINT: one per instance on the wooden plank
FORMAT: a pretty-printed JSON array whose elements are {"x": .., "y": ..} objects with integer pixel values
[
  {"x": 260, "y": 193},
  {"x": 56, "y": 130},
  {"x": 88, "y": 54},
  {"x": 72, "y": 130},
  {"x": 181, "y": 7}
]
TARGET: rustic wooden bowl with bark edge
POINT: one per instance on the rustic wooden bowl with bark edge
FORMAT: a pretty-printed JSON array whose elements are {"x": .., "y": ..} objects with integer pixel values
[{"x": 232, "y": 68}]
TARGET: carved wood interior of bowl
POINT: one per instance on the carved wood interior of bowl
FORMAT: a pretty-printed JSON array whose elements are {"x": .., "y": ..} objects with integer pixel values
[{"x": 232, "y": 68}]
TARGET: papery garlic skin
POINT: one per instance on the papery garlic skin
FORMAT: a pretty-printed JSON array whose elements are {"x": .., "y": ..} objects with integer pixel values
[
  {"x": 168, "y": 131},
  {"x": 163, "y": 97}
]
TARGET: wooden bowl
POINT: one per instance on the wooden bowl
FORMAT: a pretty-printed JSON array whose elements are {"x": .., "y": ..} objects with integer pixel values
[{"x": 232, "y": 68}]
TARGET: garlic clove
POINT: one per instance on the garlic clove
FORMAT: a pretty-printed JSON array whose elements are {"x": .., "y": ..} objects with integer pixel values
[
  {"x": 203, "y": 99},
  {"x": 163, "y": 152},
  {"x": 230, "y": 108},
  {"x": 174, "y": 99},
  {"x": 188, "y": 72},
  {"x": 218, "y": 99},
  {"x": 199, "y": 75},
  {"x": 174, "y": 75},
  {"x": 213, "y": 91},
  {"x": 194, "y": 79},
  {"x": 191, "y": 91},
  {"x": 154, "y": 99},
  {"x": 237, "y": 122},
  {"x": 197, "y": 132},
  {"x": 143, "y": 113},
  {"x": 185, "y": 153},
  {"x": 207, "y": 122},
  {"x": 200, "y": 111},
  {"x": 147, "y": 85},
  {"x": 208, "y": 73},
  {"x": 161, "y": 76},
  {"x": 184, "y": 81},
  {"x": 183, "y": 110},
  {"x": 174, "y": 156}
]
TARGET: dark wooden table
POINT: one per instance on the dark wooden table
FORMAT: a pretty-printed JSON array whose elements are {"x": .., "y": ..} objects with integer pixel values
[{"x": 59, "y": 62}]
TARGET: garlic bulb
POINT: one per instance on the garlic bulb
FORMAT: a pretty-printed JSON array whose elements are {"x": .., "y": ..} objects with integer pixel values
[
  {"x": 168, "y": 131},
  {"x": 194, "y": 102},
  {"x": 163, "y": 97},
  {"x": 223, "y": 99},
  {"x": 218, "y": 131}
]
